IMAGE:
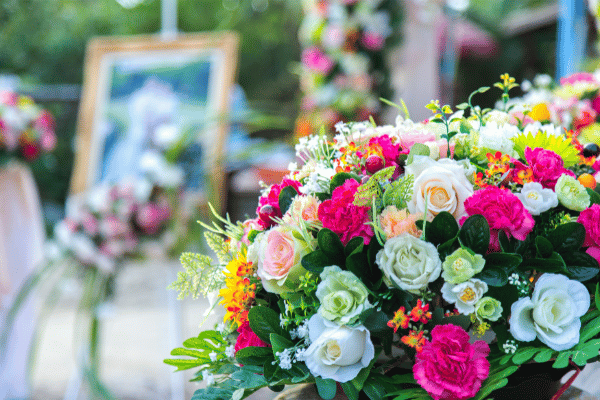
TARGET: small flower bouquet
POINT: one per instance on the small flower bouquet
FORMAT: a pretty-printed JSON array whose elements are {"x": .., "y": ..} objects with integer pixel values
[
  {"x": 415, "y": 261},
  {"x": 26, "y": 130}
]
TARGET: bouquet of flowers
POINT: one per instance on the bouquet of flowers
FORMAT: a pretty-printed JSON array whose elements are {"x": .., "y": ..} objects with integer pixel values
[
  {"x": 342, "y": 61},
  {"x": 415, "y": 261},
  {"x": 26, "y": 130}
]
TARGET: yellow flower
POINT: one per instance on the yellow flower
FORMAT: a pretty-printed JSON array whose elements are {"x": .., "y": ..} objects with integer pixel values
[{"x": 240, "y": 289}]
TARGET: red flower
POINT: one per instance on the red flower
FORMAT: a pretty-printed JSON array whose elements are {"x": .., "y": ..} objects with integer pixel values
[{"x": 420, "y": 313}]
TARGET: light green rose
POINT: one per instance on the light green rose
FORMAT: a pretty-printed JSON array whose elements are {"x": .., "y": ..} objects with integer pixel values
[
  {"x": 571, "y": 193},
  {"x": 461, "y": 266},
  {"x": 488, "y": 308},
  {"x": 342, "y": 295}
]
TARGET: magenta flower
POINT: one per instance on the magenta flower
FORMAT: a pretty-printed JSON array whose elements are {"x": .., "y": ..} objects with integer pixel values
[
  {"x": 372, "y": 41},
  {"x": 247, "y": 338},
  {"x": 344, "y": 218},
  {"x": 449, "y": 367},
  {"x": 590, "y": 219},
  {"x": 316, "y": 60},
  {"x": 503, "y": 211},
  {"x": 272, "y": 200},
  {"x": 547, "y": 166}
]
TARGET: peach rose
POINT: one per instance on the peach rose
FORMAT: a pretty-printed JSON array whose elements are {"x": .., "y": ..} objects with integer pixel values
[
  {"x": 396, "y": 222},
  {"x": 439, "y": 186},
  {"x": 278, "y": 254},
  {"x": 303, "y": 208}
]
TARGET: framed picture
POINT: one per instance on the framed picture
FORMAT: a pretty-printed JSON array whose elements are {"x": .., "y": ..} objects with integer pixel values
[{"x": 135, "y": 86}]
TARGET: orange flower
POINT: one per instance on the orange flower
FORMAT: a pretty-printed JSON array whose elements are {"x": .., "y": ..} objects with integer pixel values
[
  {"x": 400, "y": 320},
  {"x": 415, "y": 340},
  {"x": 524, "y": 176},
  {"x": 238, "y": 295},
  {"x": 420, "y": 313}
]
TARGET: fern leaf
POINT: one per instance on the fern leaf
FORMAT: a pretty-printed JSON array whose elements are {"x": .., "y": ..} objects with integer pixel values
[
  {"x": 200, "y": 276},
  {"x": 219, "y": 246}
]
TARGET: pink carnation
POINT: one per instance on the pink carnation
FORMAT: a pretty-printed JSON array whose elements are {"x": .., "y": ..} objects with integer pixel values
[
  {"x": 343, "y": 217},
  {"x": 590, "y": 219},
  {"x": 503, "y": 211},
  {"x": 547, "y": 166},
  {"x": 248, "y": 338},
  {"x": 272, "y": 199},
  {"x": 449, "y": 367}
]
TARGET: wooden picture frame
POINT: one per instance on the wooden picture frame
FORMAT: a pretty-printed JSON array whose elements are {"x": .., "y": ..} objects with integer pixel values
[{"x": 110, "y": 61}]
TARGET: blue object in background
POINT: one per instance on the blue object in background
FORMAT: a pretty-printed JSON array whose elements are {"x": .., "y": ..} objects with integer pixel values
[{"x": 571, "y": 36}]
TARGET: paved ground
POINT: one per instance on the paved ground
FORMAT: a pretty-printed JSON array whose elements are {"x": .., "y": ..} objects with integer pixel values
[{"x": 135, "y": 340}]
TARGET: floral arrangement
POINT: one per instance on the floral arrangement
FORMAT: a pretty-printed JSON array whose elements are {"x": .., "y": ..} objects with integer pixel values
[
  {"x": 415, "y": 261},
  {"x": 343, "y": 69},
  {"x": 26, "y": 130}
]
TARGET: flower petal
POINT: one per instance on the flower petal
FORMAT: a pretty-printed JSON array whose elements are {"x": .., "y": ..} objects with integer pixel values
[{"x": 521, "y": 321}]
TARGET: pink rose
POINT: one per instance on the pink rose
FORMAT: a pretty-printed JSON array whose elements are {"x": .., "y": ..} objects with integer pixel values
[
  {"x": 547, "y": 166},
  {"x": 247, "y": 338},
  {"x": 590, "y": 219},
  {"x": 503, "y": 211},
  {"x": 343, "y": 217},
  {"x": 272, "y": 199},
  {"x": 316, "y": 60},
  {"x": 278, "y": 253},
  {"x": 449, "y": 367}
]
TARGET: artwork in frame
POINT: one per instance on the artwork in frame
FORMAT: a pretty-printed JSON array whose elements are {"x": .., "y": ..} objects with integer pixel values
[{"x": 140, "y": 89}]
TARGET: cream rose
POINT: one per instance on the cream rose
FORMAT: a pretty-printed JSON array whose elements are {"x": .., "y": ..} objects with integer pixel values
[
  {"x": 440, "y": 186},
  {"x": 464, "y": 295},
  {"x": 552, "y": 314},
  {"x": 337, "y": 352},
  {"x": 536, "y": 199},
  {"x": 409, "y": 263},
  {"x": 277, "y": 254}
]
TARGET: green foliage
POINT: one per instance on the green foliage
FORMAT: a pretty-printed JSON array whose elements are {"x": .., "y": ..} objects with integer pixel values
[
  {"x": 264, "y": 321},
  {"x": 286, "y": 196},
  {"x": 339, "y": 179},
  {"x": 326, "y": 388},
  {"x": 218, "y": 244},
  {"x": 198, "y": 348},
  {"x": 200, "y": 276},
  {"x": 373, "y": 188},
  {"x": 475, "y": 234},
  {"x": 399, "y": 192}
]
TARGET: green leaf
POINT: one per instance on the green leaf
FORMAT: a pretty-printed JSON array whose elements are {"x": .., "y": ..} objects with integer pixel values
[
  {"x": 493, "y": 276},
  {"x": 462, "y": 106},
  {"x": 590, "y": 330},
  {"x": 475, "y": 234},
  {"x": 330, "y": 244},
  {"x": 582, "y": 266},
  {"x": 418, "y": 149},
  {"x": 597, "y": 296},
  {"x": 355, "y": 245},
  {"x": 543, "y": 356},
  {"x": 248, "y": 379},
  {"x": 376, "y": 323},
  {"x": 190, "y": 353},
  {"x": 567, "y": 238},
  {"x": 486, "y": 390},
  {"x": 543, "y": 246},
  {"x": 279, "y": 343},
  {"x": 504, "y": 242},
  {"x": 264, "y": 321},
  {"x": 340, "y": 178},
  {"x": 350, "y": 390},
  {"x": 374, "y": 390},
  {"x": 594, "y": 196},
  {"x": 442, "y": 229},
  {"x": 525, "y": 354},
  {"x": 252, "y": 355},
  {"x": 183, "y": 364},
  {"x": 555, "y": 263},
  {"x": 326, "y": 388},
  {"x": 315, "y": 262},
  {"x": 505, "y": 261},
  {"x": 286, "y": 196},
  {"x": 562, "y": 360}
]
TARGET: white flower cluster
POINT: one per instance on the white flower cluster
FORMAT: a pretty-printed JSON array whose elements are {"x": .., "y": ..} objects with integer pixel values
[
  {"x": 285, "y": 359},
  {"x": 208, "y": 377},
  {"x": 510, "y": 347},
  {"x": 521, "y": 284}
]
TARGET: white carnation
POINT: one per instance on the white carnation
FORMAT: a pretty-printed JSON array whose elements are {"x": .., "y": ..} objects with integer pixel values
[{"x": 536, "y": 199}]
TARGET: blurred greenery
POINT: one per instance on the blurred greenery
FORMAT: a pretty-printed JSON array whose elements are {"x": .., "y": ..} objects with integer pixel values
[{"x": 43, "y": 41}]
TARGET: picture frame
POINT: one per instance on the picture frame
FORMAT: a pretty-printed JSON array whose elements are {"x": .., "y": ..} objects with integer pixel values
[{"x": 186, "y": 81}]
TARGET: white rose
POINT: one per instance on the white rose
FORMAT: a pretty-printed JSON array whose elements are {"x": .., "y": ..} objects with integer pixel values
[
  {"x": 409, "y": 263},
  {"x": 498, "y": 137},
  {"x": 337, "y": 352},
  {"x": 536, "y": 199},
  {"x": 552, "y": 313},
  {"x": 278, "y": 254},
  {"x": 464, "y": 295},
  {"x": 442, "y": 185}
]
